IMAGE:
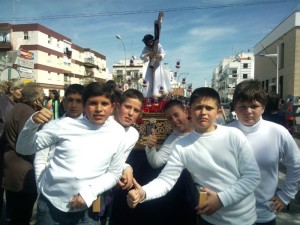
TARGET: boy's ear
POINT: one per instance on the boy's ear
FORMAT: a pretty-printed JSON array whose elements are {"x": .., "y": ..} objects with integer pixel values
[
  {"x": 113, "y": 105},
  {"x": 116, "y": 105},
  {"x": 263, "y": 109},
  {"x": 219, "y": 113}
]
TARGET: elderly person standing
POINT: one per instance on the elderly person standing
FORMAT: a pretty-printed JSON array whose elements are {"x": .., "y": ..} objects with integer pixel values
[
  {"x": 12, "y": 94},
  {"x": 18, "y": 178}
]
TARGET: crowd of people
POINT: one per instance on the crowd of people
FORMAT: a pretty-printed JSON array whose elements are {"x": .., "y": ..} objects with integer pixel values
[{"x": 70, "y": 161}]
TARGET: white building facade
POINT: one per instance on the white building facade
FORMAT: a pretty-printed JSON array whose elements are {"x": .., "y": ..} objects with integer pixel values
[
  {"x": 130, "y": 74},
  {"x": 230, "y": 72},
  {"x": 36, "y": 53}
]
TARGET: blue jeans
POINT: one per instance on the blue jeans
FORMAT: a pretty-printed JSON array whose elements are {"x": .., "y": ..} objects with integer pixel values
[{"x": 47, "y": 214}]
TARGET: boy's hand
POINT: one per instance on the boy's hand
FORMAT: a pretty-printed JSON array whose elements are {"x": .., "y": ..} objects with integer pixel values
[
  {"x": 211, "y": 205},
  {"x": 152, "y": 139},
  {"x": 135, "y": 195},
  {"x": 78, "y": 202},
  {"x": 278, "y": 203},
  {"x": 43, "y": 116},
  {"x": 126, "y": 179}
]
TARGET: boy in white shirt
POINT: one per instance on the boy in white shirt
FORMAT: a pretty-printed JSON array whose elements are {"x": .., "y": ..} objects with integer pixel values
[
  {"x": 126, "y": 113},
  {"x": 219, "y": 159},
  {"x": 73, "y": 106},
  {"x": 177, "y": 116},
  {"x": 271, "y": 144},
  {"x": 84, "y": 163}
]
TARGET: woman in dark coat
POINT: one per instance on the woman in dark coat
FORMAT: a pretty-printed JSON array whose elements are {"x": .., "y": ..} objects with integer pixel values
[{"x": 18, "y": 177}]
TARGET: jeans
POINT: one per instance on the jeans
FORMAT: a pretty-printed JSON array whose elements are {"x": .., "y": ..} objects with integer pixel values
[{"x": 48, "y": 214}]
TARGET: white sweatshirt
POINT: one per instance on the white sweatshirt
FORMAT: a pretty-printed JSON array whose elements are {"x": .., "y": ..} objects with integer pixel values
[
  {"x": 42, "y": 158},
  {"x": 270, "y": 143},
  {"x": 88, "y": 158},
  {"x": 131, "y": 137},
  {"x": 221, "y": 160},
  {"x": 158, "y": 158}
]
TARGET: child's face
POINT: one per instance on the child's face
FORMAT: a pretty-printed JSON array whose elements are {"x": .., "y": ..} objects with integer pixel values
[
  {"x": 73, "y": 105},
  {"x": 204, "y": 112},
  {"x": 178, "y": 119},
  {"x": 128, "y": 112},
  {"x": 98, "y": 109},
  {"x": 249, "y": 113}
]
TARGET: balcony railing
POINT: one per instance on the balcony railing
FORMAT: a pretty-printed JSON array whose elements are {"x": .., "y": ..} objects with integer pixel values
[{"x": 89, "y": 62}]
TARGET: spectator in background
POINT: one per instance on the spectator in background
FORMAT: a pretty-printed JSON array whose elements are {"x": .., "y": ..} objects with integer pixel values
[
  {"x": 272, "y": 112},
  {"x": 53, "y": 103},
  {"x": 281, "y": 105},
  {"x": 18, "y": 174},
  {"x": 289, "y": 111},
  {"x": 12, "y": 95},
  {"x": 3, "y": 85}
]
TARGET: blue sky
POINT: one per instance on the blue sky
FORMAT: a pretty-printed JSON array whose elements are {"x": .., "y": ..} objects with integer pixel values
[{"x": 198, "y": 33}]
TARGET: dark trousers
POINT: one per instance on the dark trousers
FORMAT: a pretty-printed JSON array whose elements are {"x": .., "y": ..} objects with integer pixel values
[
  {"x": 272, "y": 222},
  {"x": 20, "y": 205},
  {"x": 201, "y": 221},
  {"x": 1, "y": 200}
]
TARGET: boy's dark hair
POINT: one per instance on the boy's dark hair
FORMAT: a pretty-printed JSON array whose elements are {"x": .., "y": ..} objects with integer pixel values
[
  {"x": 173, "y": 102},
  {"x": 74, "y": 89},
  {"x": 272, "y": 102},
  {"x": 111, "y": 83},
  {"x": 97, "y": 89},
  {"x": 131, "y": 93},
  {"x": 205, "y": 92},
  {"x": 248, "y": 91}
]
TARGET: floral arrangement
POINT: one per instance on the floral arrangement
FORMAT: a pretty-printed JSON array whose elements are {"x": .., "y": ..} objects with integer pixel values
[{"x": 155, "y": 106}]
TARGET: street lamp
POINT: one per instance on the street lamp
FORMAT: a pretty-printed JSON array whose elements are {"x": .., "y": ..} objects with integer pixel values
[
  {"x": 277, "y": 66},
  {"x": 119, "y": 37}
]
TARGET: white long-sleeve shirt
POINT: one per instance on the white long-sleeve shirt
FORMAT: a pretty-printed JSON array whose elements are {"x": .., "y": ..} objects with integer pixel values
[
  {"x": 88, "y": 158},
  {"x": 221, "y": 160},
  {"x": 132, "y": 136},
  {"x": 43, "y": 157},
  {"x": 158, "y": 158},
  {"x": 270, "y": 143}
]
